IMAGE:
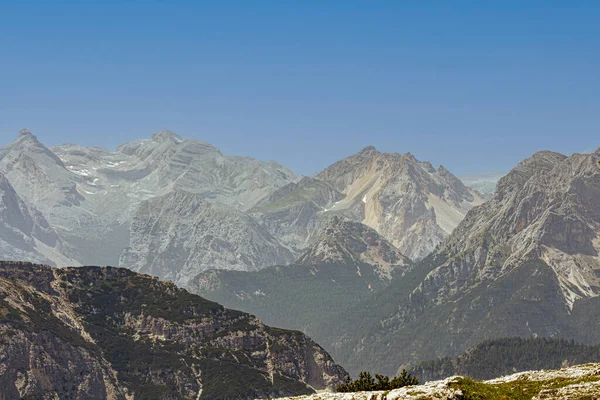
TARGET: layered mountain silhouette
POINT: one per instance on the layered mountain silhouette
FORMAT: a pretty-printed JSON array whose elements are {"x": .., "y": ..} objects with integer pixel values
[
  {"x": 175, "y": 207},
  {"x": 384, "y": 259}
]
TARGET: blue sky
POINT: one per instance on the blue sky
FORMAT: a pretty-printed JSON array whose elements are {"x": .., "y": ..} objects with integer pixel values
[{"x": 473, "y": 85}]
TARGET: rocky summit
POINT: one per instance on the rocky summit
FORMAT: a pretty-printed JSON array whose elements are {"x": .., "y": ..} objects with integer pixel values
[
  {"x": 109, "y": 333},
  {"x": 409, "y": 202}
]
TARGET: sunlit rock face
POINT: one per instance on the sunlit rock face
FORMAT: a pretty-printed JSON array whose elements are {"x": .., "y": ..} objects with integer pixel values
[
  {"x": 580, "y": 382},
  {"x": 409, "y": 202}
]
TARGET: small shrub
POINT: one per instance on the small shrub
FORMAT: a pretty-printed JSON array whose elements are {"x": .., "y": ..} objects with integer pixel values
[{"x": 366, "y": 383}]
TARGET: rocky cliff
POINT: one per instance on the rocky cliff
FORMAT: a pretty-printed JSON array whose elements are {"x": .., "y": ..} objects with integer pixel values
[
  {"x": 178, "y": 235},
  {"x": 24, "y": 232},
  {"x": 296, "y": 213},
  {"x": 109, "y": 333}
]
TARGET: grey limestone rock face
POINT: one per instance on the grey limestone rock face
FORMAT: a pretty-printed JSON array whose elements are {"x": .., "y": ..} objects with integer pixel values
[
  {"x": 178, "y": 235},
  {"x": 103, "y": 208},
  {"x": 24, "y": 232},
  {"x": 89, "y": 196},
  {"x": 295, "y": 213}
]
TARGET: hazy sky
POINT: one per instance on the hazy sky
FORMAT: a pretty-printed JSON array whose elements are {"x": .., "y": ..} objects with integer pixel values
[{"x": 473, "y": 85}]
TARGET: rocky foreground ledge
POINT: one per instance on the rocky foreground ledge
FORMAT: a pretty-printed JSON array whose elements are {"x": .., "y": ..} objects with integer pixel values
[{"x": 581, "y": 382}]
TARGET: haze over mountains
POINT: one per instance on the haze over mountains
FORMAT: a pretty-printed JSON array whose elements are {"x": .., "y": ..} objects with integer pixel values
[
  {"x": 175, "y": 207},
  {"x": 383, "y": 259},
  {"x": 347, "y": 264}
]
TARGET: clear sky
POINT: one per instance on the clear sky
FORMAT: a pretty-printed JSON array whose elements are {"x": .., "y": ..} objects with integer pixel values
[{"x": 473, "y": 85}]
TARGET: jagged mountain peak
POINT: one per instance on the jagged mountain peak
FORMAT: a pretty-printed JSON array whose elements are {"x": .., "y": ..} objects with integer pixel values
[
  {"x": 538, "y": 163},
  {"x": 25, "y": 132},
  {"x": 166, "y": 135},
  {"x": 443, "y": 171},
  {"x": 545, "y": 208},
  {"x": 410, "y": 203},
  {"x": 368, "y": 150},
  {"x": 27, "y": 144},
  {"x": 345, "y": 241}
]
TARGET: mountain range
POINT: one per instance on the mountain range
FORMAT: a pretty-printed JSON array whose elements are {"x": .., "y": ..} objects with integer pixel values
[
  {"x": 383, "y": 259},
  {"x": 175, "y": 207},
  {"x": 347, "y": 264},
  {"x": 523, "y": 264}
]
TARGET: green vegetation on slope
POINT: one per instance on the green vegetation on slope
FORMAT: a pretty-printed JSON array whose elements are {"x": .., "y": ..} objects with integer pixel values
[
  {"x": 521, "y": 389},
  {"x": 162, "y": 342},
  {"x": 296, "y": 296}
]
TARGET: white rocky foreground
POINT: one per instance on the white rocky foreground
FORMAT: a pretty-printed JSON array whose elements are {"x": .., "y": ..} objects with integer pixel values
[{"x": 580, "y": 382}]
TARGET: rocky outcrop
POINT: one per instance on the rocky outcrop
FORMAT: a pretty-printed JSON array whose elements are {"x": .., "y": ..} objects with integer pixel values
[
  {"x": 178, "y": 235},
  {"x": 575, "y": 383},
  {"x": 352, "y": 243},
  {"x": 410, "y": 203},
  {"x": 93, "y": 332}
]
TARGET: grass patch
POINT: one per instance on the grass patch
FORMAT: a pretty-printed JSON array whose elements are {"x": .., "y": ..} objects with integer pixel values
[{"x": 520, "y": 389}]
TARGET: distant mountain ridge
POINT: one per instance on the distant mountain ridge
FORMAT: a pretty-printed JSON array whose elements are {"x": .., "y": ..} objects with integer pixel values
[
  {"x": 176, "y": 235},
  {"x": 505, "y": 356},
  {"x": 484, "y": 183},
  {"x": 111, "y": 207},
  {"x": 90, "y": 196}
]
